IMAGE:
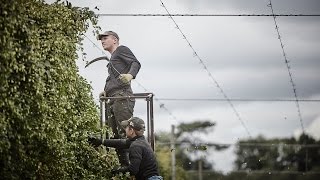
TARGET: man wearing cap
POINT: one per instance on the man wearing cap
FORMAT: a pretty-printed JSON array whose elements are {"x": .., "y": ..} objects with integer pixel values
[
  {"x": 143, "y": 164},
  {"x": 122, "y": 68}
]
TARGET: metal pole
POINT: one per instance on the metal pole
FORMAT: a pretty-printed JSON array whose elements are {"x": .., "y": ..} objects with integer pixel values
[
  {"x": 152, "y": 122},
  {"x": 200, "y": 168},
  {"x": 148, "y": 121},
  {"x": 173, "y": 154},
  {"x": 306, "y": 159},
  {"x": 102, "y": 116}
]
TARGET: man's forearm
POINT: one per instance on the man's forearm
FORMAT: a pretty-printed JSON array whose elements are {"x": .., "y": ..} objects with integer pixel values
[
  {"x": 135, "y": 67},
  {"x": 117, "y": 143}
]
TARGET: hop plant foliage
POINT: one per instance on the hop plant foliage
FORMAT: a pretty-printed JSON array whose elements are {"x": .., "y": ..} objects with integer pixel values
[{"x": 46, "y": 107}]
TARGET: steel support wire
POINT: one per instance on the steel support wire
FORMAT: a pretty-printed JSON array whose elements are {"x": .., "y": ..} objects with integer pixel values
[
  {"x": 209, "y": 73},
  {"x": 210, "y": 15},
  {"x": 288, "y": 68}
]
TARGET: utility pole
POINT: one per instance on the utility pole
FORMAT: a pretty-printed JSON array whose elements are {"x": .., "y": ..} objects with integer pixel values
[
  {"x": 306, "y": 166},
  {"x": 200, "y": 168},
  {"x": 173, "y": 154}
]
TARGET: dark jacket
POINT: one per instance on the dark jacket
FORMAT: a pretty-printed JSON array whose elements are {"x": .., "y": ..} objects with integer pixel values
[
  {"x": 143, "y": 163},
  {"x": 122, "y": 61}
]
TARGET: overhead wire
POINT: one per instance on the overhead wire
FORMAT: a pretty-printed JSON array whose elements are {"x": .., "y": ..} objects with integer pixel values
[
  {"x": 239, "y": 99},
  {"x": 209, "y": 73},
  {"x": 94, "y": 44},
  {"x": 211, "y": 15},
  {"x": 247, "y": 144},
  {"x": 288, "y": 68},
  {"x": 161, "y": 105},
  {"x": 275, "y": 172}
]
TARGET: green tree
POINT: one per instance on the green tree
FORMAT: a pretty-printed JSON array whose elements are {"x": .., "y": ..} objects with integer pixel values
[
  {"x": 188, "y": 143},
  {"x": 46, "y": 108},
  {"x": 191, "y": 143},
  {"x": 286, "y": 154},
  {"x": 164, "y": 160},
  {"x": 305, "y": 157}
]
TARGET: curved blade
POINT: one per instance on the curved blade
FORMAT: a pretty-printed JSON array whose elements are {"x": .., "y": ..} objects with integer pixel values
[{"x": 97, "y": 59}]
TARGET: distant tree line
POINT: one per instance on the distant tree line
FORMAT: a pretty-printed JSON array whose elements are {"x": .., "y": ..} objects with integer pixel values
[
  {"x": 287, "y": 154},
  {"x": 258, "y": 158}
]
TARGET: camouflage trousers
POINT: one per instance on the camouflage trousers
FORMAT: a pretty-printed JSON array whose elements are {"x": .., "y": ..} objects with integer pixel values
[{"x": 118, "y": 110}]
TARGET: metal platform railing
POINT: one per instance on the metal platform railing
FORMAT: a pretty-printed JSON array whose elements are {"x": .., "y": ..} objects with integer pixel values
[{"x": 150, "y": 120}]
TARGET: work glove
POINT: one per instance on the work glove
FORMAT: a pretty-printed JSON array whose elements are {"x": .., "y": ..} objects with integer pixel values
[
  {"x": 95, "y": 141},
  {"x": 117, "y": 170},
  {"x": 126, "y": 78},
  {"x": 102, "y": 94}
]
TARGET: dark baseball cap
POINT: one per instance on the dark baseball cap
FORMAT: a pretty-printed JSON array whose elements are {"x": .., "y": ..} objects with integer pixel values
[
  {"x": 108, "y": 33},
  {"x": 135, "y": 123}
]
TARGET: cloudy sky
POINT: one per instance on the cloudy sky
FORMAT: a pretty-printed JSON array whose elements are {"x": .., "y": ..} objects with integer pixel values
[{"x": 243, "y": 54}]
